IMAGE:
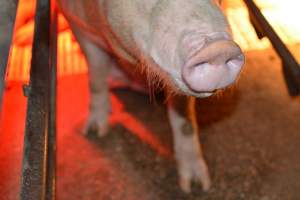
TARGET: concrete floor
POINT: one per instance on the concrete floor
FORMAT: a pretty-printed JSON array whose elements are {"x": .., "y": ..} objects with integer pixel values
[{"x": 250, "y": 137}]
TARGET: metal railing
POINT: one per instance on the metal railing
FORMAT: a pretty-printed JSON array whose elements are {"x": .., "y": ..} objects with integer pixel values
[
  {"x": 290, "y": 66},
  {"x": 39, "y": 159}
]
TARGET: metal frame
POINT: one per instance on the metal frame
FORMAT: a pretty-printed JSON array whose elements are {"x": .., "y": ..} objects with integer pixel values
[
  {"x": 290, "y": 66},
  {"x": 38, "y": 172}
]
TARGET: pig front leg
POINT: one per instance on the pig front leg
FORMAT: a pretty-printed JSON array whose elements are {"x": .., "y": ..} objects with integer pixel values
[
  {"x": 99, "y": 64},
  {"x": 190, "y": 162},
  {"x": 99, "y": 107}
]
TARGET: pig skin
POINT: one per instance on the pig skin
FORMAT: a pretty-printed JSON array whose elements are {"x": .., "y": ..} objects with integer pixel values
[{"x": 93, "y": 23}]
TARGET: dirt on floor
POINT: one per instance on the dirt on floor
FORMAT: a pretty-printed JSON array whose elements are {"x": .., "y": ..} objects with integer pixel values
[{"x": 250, "y": 136}]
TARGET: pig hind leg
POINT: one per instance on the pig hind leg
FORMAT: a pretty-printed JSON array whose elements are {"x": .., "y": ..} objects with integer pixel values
[
  {"x": 190, "y": 162},
  {"x": 99, "y": 64}
]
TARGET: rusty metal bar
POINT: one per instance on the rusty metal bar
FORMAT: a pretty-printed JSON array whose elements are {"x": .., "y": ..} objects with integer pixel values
[
  {"x": 290, "y": 66},
  {"x": 8, "y": 10},
  {"x": 51, "y": 172},
  {"x": 38, "y": 172}
]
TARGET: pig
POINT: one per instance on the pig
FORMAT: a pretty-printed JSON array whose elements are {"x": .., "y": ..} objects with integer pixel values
[{"x": 182, "y": 46}]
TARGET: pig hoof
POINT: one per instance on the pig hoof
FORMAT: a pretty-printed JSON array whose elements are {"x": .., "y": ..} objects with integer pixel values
[
  {"x": 194, "y": 171},
  {"x": 96, "y": 127}
]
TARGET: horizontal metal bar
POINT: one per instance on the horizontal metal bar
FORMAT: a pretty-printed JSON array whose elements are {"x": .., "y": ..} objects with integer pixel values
[
  {"x": 290, "y": 66},
  {"x": 8, "y": 10}
]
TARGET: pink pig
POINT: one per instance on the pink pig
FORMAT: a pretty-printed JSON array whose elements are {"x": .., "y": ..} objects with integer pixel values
[{"x": 185, "y": 45}]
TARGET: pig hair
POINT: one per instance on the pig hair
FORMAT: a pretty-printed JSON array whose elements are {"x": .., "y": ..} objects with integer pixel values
[{"x": 157, "y": 79}]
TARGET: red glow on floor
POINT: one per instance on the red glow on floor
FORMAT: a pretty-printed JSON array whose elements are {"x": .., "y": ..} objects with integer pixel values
[
  {"x": 73, "y": 148},
  {"x": 136, "y": 127},
  {"x": 12, "y": 122}
]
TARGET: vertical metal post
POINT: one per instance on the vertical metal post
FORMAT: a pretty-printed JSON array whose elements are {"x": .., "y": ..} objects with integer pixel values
[
  {"x": 51, "y": 173},
  {"x": 38, "y": 172},
  {"x": 8, "y": 10}
]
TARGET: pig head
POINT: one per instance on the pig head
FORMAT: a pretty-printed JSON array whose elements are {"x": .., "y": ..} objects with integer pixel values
[{"x": 185, "y": 45}]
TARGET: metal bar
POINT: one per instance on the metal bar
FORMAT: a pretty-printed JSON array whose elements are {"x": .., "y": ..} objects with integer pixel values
[
  {"x": 51, "y": 172},
  {"x": 8, "y": 10},
  {"x": 291, "y": 68},
  {"x": 38, "y": 172}
]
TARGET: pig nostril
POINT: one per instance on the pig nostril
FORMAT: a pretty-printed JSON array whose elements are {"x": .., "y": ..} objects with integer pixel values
[
  {"x": 237, "y": 61},
  {"x": 239, "y": 57},
  {"x": 214, "y": 67}
]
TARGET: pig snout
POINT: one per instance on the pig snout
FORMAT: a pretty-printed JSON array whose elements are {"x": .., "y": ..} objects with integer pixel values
[{"x": 215, "y": 66}]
